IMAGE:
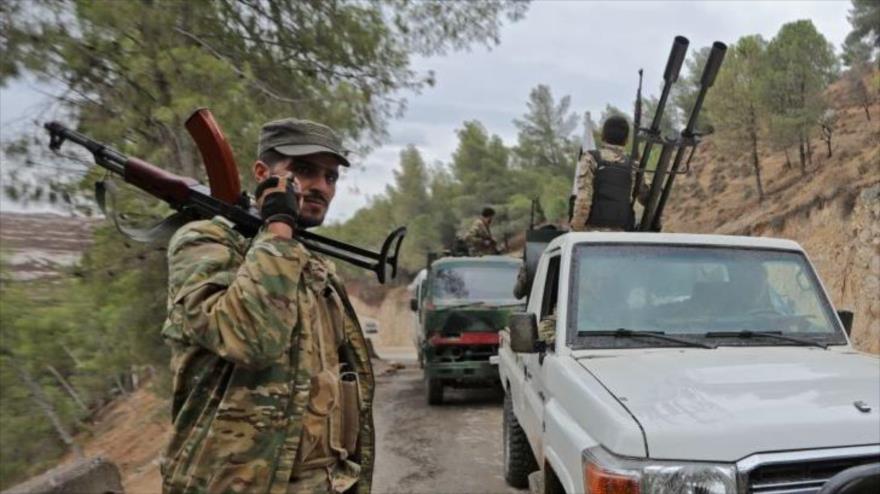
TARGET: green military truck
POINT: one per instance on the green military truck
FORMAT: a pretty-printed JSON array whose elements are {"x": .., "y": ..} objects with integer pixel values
[{"x": 462, "y": 303}]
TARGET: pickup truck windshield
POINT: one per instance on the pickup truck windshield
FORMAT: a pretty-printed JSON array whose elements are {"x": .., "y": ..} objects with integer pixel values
[
  {"x": 692, "y": 291},
  {"x": 491, "y": 283}
]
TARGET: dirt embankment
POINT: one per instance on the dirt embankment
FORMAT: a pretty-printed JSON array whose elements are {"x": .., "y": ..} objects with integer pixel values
[
  {"x": 832, "y": 210},
  {"x": 132, "y": 433},
  {"x": 396, "y": 320}
]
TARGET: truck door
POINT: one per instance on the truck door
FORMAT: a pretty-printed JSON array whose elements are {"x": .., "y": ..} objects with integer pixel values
[{"x": 534, "y": 389}]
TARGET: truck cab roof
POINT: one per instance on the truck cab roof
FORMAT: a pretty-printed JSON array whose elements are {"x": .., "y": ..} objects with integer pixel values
[{"x": 569, "y": 239}]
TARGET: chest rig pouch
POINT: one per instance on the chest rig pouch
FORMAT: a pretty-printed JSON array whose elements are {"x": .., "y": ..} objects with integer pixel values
[{"x": 612, "y": 187}]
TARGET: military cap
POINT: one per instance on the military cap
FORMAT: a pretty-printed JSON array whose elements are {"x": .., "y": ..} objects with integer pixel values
[{"x": 294, "y": 137}]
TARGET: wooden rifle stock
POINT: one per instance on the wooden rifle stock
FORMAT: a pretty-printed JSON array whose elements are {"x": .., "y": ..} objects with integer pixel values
[{"x": 217, "y": 155}]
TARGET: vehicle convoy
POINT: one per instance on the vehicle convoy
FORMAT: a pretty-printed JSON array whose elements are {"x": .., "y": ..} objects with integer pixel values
[
  {"x": 677, "y": 363},
  {"x": 462, "y": 304}
]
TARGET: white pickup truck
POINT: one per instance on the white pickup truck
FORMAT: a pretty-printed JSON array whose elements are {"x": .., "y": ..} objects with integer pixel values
[{"x": 672, "y": 363}]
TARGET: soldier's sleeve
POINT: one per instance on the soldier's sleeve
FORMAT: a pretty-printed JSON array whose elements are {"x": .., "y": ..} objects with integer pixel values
[
  {"x": 238, "y": 304},
  {"x": 547, "y": 330},
  {"x": 584, "y": 198},
  {"x": 472, "y": 237}
]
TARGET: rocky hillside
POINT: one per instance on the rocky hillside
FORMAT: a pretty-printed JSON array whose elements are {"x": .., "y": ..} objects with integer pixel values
[
  {"x": 39, "y": 245},
  {"x": 833, "y": 210}
]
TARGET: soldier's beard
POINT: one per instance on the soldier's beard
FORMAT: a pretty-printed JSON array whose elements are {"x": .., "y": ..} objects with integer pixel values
[
  {"x": 311, "y": 215},
  {"x": 309, "y": 221}
]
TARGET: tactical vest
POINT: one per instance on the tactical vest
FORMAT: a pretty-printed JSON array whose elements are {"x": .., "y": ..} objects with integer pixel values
[{"x": 612, "y": 188}]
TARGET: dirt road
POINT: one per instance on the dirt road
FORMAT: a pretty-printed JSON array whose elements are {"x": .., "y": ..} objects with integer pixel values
[{"x": 453, "y": 448}]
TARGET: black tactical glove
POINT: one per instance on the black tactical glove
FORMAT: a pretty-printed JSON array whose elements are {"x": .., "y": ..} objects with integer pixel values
[{"x": 278, "y": 199}]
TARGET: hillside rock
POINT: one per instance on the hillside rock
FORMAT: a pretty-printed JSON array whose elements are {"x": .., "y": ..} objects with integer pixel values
[{"x": 40, "y": 245}]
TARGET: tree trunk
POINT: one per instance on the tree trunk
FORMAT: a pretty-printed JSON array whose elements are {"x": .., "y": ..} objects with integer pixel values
[
  {"x": 43, "y": 403},
  {"x": 120, "y": 385},
  {"x": 67, "y": 387},
  {"x": 866, "y": 100},
  {"x": 828, "y": 144},
  {"x": 802, "y": 154},
  {"x": 756, "y": 164},
  {"x": 787, "y": 160},
  {"x": 809, "y": 149}
]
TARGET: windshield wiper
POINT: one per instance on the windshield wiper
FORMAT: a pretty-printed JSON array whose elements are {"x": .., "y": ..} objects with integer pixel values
[
  {"x": 766, "y": 334},
  {"x": 660, "y": 335}
]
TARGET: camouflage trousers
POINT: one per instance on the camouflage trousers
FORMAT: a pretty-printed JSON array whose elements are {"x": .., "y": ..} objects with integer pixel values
[{"x": 333, "y": 479}]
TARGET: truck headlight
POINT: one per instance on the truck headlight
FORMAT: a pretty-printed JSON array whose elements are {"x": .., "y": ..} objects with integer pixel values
[{"x": 606, "y": 473}]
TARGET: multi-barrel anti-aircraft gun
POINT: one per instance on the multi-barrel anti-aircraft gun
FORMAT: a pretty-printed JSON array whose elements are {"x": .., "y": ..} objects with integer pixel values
[
  {"x": 673, "y": 149},
  {"x": 687, "y": 140}
]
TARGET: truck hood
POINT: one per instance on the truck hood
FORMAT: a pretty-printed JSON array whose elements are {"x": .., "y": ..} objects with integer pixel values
[{"x": 728, "y": 403}]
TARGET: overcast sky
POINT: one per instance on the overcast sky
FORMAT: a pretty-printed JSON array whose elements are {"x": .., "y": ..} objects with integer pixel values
[{"x": 588, "y": 50}]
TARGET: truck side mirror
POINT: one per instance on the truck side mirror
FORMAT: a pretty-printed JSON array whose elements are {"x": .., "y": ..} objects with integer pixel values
[
  {"x": 413, "y": 305},
  {"x": 523, "y": 332},
  {"x": 846, "y": 317}
]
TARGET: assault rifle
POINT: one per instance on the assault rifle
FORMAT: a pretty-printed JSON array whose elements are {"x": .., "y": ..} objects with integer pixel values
[
  {"x": 637, "y": 123},
  {"x": 193, "y": 200}
]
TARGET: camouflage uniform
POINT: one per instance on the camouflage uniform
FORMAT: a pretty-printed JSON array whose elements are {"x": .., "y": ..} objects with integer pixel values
[
  {"x": 586, "y": 170},
  {"x": 256, "y": 369},
  {"x": 547, "y": 330},
  {"x": 479, "y": 239}
]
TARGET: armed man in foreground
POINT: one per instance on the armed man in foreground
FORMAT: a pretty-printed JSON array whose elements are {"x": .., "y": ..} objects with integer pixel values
[
  {"x": 273, "y": 385},
  {"x": 605, "y": 183}
]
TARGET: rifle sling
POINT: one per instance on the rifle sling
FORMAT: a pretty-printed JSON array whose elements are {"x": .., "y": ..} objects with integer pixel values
[{"x": 160, "y": 232}]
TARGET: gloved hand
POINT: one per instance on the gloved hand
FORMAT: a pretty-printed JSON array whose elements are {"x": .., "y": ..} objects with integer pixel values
[{"x": 278, "y": 200}]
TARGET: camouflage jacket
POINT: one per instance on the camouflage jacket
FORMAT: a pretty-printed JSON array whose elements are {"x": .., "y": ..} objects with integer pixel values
[
  {"x": 586, "y": 170},
  {"x": 236, "y": 310},
  {"x": 479, "y": 239}
]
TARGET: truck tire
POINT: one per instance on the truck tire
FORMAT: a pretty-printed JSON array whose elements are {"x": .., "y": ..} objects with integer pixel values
[
  {"x": 519, "y": 461},
  {"x": 434, "y": 391}
]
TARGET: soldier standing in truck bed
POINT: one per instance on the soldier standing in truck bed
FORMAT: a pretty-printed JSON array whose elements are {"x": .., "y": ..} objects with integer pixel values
[
  {"x": 478, "y": 237},
  {"x": 605, "y": 183},
  {"x": 604, "y": 190}
]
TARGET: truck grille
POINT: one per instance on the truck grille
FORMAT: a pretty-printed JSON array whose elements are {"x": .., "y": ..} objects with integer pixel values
[{"x": 800, "y": 477}]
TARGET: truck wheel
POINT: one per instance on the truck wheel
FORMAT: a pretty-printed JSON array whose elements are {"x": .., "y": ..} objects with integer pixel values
[
  {"x": 434, "y": 391},
  {"x": 519, "y": 461}
]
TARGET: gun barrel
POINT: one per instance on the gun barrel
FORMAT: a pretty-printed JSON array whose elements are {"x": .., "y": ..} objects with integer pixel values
[
  {"x": 105, "y": 156},
  {"x": 713, "y": 64},
  {"x": 710, "y": 71},
  {"x": 676, "y": 59},
  {"x": 670, "y": 75}
]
